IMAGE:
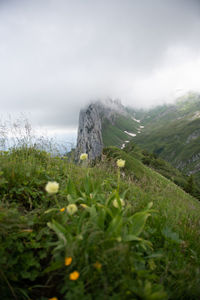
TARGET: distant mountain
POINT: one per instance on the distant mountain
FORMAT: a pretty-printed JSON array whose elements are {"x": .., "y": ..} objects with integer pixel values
[
  {"x": 102, "y": 124},
  {"x": 173, "y": 133},
  {"x": 170, "y": 132}
]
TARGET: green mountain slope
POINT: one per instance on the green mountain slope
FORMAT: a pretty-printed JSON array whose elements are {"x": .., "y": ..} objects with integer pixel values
[
  {"x": 164, "y": 168},
  {"x": 173, "y": 132},
  {"x": 113, "y": 133}
]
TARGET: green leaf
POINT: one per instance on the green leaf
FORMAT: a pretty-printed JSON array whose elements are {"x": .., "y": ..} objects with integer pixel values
[
  {"x": 59, "y": 230},
  {"x": 93, "y": 212},
  {"x": 71, "y": 189},
  {"x": 50, "y": 210},
  {"x": 115, "y": 226},
  {"x": 131, "y": 237},
  {"x": 54, "y": 266},
  {"x": 138, "y": 221}
]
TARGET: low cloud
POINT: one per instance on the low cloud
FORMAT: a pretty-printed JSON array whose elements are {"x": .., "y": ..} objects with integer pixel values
[{"x": 57, "y": 55}]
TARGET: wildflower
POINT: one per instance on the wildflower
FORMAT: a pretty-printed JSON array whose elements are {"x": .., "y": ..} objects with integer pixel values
[
  {"x": 54, "y": 298},
  {"x": 68, "y": 261},
  {"x": 98, "y": 265},
  {"x": 52, "y": 187},
  {"x": 72, "y": 209},
  {"x": 120, "y": 163},
  {"x": 62, "y": 209},
  {"x": 116, "y": 202},
  {"x": 74, "y": 275},
  {"x": 83, "y": 156}
]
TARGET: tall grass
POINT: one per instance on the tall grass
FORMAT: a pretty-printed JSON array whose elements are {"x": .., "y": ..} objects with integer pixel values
[{"x": 19, "y": 133}]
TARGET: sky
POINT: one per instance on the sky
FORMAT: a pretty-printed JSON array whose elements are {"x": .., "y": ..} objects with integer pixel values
[{"x": 58, "y": 55}]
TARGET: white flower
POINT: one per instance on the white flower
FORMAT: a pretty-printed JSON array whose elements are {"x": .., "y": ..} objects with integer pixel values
[
  {"x": 72, "y": 209},
  {"x": 83, "y": 156},
  {"x": 120, "y": 163},
  {"x": 116, "y": 204},
  {"x": 52, "y": 187}
]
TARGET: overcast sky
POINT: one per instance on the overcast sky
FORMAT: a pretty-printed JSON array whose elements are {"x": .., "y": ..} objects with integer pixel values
[{"x": 56, "y": 55}]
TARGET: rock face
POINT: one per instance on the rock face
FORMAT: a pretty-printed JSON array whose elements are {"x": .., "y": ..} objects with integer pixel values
[
  {"x": 91, "y": 118},
  {"x": 89, "y": 133}
]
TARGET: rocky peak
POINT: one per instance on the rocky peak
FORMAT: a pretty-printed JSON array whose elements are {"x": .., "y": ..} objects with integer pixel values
[
  {"x": 89, "y": 133},
  {"x": 90, "y": 126}
]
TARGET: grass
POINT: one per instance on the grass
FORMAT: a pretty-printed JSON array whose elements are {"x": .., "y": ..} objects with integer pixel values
[
  {"x": 161, "y": 166},
  {"x": 113, "y": 133},
  {"x": 147, "y": 249}
]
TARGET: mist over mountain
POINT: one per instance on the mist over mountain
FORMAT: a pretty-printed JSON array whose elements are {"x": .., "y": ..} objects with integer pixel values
[{"x": 57, "y": 56}]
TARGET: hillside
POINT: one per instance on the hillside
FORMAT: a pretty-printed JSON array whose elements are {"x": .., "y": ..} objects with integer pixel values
[
  {"x": 96, "y": 235},
  {"x": 169, "y": 132},
  {"x": 164, "y": 168},
  {"x": 120, "y": 131},
  {"x": 173, "y": 133}
]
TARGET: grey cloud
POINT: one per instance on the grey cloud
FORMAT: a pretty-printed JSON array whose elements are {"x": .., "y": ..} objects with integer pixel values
[{"x": 56, "y": 55}]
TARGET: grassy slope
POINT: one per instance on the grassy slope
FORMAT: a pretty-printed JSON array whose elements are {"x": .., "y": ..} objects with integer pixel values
[
  {"x": 173, "y": 231},
  {"x": 162, "y": 167},
  {"x": 113, "y": 134},
  {"x": 176, "y": 209},
  {"x": 167, "y": 129}
]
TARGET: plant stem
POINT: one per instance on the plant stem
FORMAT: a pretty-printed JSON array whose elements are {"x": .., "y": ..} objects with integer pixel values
[{"x": 118, "y": 179}]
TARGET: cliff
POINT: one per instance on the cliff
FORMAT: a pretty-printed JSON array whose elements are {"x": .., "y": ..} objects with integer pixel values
[
  {"x": 89, "y": 133},
  {"x": 102, "y": 124}
]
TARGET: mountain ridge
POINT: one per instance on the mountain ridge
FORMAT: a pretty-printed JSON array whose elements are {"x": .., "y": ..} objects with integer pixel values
[{"x": 170, "y": 132}]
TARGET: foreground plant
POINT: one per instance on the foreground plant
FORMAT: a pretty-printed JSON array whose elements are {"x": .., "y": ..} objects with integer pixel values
[
  {"x": 84, "y": 156},
  {"x": 52, "y": 187},
  {"x": 120, "y": 163},
  {"x": 103, "y": 241}
]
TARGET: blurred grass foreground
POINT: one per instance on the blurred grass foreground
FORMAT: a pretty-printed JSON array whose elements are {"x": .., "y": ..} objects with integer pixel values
[{"x": 115, "y": 230}]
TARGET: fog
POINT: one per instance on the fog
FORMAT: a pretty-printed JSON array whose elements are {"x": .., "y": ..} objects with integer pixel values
[{"x": 58, "y": 55}]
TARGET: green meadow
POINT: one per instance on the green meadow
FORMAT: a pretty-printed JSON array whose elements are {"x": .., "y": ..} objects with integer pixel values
[{"x": 94, "y": 232}]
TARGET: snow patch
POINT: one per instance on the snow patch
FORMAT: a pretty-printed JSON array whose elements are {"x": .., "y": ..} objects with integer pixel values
[
  {"x": 196, "y": 115},
  {"x": 130, "y": 133},
  {"x": 135, "y": 120},
  {"x": 141, "y": 126},
  {"x": 123, "y": 145}
]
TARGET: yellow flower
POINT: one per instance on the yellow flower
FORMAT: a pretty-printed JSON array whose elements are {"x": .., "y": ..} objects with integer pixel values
[
  {"x": 52, "y": 187},
  {"x": 74, "y": 275},
  {"x": 83, "y": 156},
  {"x": 116, "y": 204},
  {"x": 72, "y": 209},
  {"x": 62, "y": 209},
  {"x": 54, "y": 298},
  {"x": 68, "y": 261},
  {"x": 120, "y": 163},
  {"x": 98, "y": 265}
]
